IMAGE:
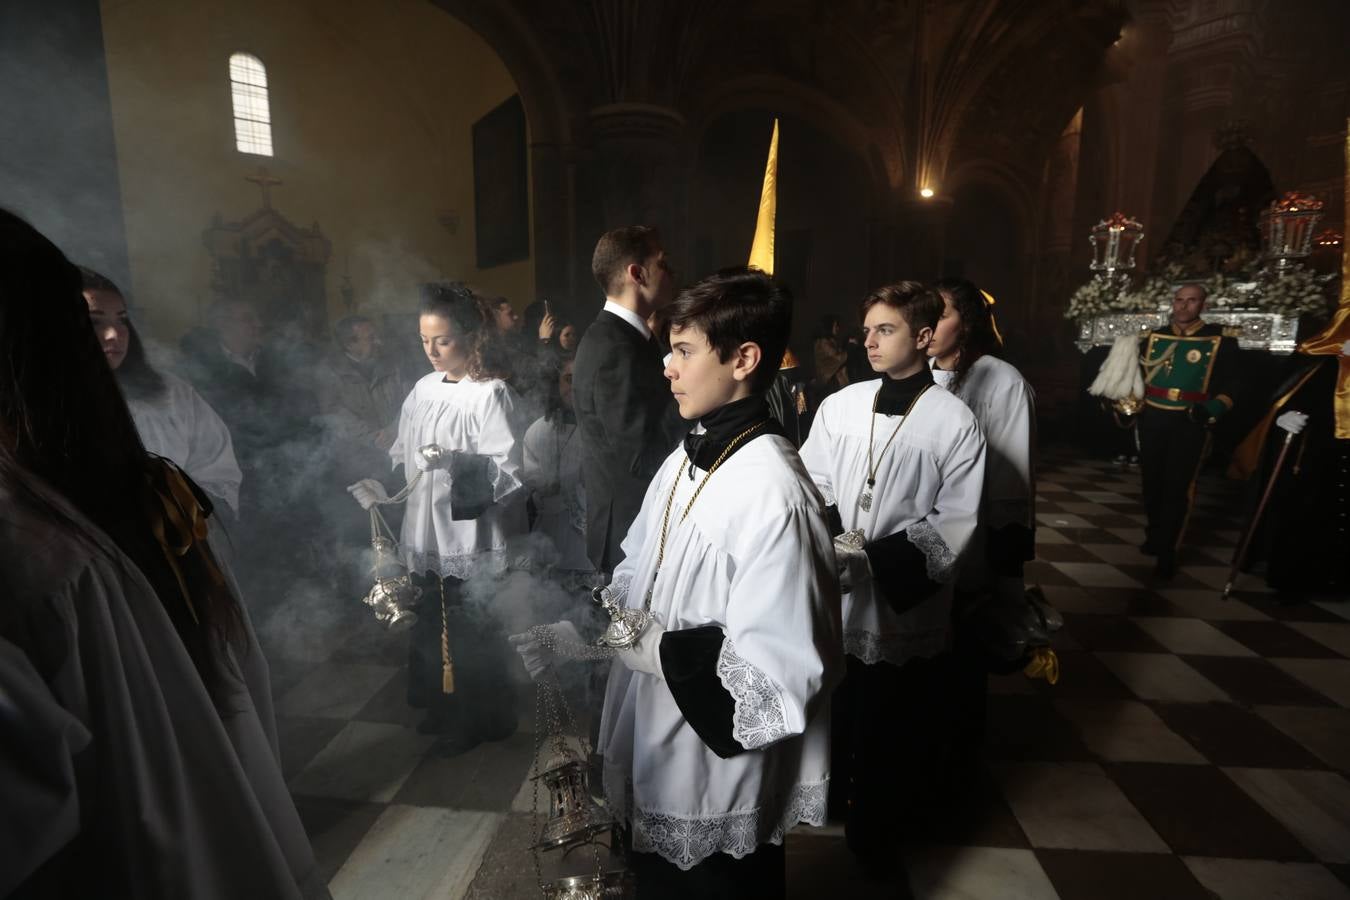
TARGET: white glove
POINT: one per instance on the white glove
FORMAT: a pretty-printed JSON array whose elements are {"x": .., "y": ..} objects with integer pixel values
[
  {"x": 368, "y": 492},
  {"x": 851, "y": 561},
  {"x": 1345, "y": 349},
  {"x": 432, "y": 456},
  {"x": 1292, "y": 421},
  {"x": 645, "y": 655},
  {"x": 533, "y": 652}
]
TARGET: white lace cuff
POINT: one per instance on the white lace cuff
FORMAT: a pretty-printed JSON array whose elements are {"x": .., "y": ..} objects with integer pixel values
[
  {"x": 760, "y": 718},
  {"x": 941, "y": 561}
]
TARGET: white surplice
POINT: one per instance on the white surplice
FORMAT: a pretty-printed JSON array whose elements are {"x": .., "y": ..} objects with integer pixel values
[
  {"x": 111, "y": 749},
  {"x": 474, "y": 417},
  {"x": 928, "y": 484},
  {"x": 753, "y": 558},
  {"x": 183, "y": 428},
  {"x": 1005, "y": 406},
  {"x": 553, "y": 473}
]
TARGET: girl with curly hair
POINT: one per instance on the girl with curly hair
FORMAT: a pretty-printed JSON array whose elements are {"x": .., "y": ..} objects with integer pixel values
[{"x": 461, "y": 429}]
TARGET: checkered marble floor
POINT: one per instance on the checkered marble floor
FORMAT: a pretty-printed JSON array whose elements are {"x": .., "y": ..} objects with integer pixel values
[{"x": 1194, "y": 747}]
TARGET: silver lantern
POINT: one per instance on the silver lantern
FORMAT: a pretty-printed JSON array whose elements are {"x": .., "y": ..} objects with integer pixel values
[
  {"x": 573, "y": 817},
  {"x": 614, "y": 885},
  {"x": 393, "y": 596},
  {"x": 1287, "y": 228},
  {"x": 1114, "y": 241},
  {"x": 392, "y": 599}
]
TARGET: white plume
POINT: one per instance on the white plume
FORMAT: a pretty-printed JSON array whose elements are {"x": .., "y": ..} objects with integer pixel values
[{"x": 1120, "y": 376}]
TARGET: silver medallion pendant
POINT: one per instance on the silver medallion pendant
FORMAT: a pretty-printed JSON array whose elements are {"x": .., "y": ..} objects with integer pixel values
[{"x": 865, "y": 501}]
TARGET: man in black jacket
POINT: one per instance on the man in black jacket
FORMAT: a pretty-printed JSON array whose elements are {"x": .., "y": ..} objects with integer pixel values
[{"x": 624, "y": 408}]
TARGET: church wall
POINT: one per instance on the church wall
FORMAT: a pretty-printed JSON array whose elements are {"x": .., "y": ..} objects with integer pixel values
[
  {"x": 372, "y": 108},
  {"x": 57, "y": 166}
]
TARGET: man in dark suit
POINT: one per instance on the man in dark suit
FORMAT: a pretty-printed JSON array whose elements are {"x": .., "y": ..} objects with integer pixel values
[{"x": 624, "y": 408}]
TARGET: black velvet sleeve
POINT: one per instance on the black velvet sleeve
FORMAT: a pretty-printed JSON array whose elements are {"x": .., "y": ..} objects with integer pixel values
[
  {"x": 689, "y": 664},
  {"x": 1008, "y": 548},
  {"x": 900, "y": 570},
  {"x": 472, "y": 478},
  {"x": 834, "y": 521}
]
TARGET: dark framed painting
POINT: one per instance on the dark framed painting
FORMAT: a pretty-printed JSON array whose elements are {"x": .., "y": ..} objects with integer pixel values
[{"x": 501, "y": 190}]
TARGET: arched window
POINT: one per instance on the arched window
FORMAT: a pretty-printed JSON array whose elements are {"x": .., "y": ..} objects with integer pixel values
[{"x": 252, "y": 115}]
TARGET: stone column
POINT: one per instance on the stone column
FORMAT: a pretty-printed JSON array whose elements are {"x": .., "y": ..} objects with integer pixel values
[
  {"x": 555, "y": 232},
  {"x": 637, "y": 174}
]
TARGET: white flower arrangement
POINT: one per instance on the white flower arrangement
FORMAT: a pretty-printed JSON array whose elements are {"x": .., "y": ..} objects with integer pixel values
[
  {"x": 1100, "y": 295},
  {"x": 1291, "y": 292},
  {"x": 1153, "y": 293}
]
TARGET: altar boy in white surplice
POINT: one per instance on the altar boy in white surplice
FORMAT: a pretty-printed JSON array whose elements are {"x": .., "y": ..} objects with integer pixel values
[
  {"x": 904, "y": 463},
  {"x": 715, "y": 732}
]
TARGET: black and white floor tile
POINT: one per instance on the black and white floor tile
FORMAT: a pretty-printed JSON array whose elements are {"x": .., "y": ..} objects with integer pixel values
[{"x": 1194, "y": 747}]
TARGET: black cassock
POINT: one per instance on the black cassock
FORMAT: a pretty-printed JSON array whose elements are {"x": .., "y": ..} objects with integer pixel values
[
  {"x": 1305, "y": 532},
  {"x": 479, "y": 708}
]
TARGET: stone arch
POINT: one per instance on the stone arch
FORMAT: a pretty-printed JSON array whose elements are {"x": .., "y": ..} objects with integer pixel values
[
  {"x": 882, "y": 160},
  {"x": 1002, "y": 180},
  {"x": 992, "y": 237},
  {"x": 547, "y": 107},
  {"x": 551, "y": 114}
]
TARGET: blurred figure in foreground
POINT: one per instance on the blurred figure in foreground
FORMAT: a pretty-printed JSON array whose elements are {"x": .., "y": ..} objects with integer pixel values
[{"x": 138, "y": 753}]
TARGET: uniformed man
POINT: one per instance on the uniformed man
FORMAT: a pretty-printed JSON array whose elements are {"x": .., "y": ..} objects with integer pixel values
[{"x": 1189, "y": 369}]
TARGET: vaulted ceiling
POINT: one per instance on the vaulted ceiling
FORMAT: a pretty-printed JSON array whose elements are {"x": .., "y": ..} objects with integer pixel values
[{"x": 916, "y": 86}]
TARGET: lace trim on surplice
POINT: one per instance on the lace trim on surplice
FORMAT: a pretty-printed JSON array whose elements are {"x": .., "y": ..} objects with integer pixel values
[
  {"x": 896, "y": 649},
  {"x": 941, "y": 561},
  {"x": 463, "y": 566},
  {"x": 687, "y": 841},
  {"x": 760, "y": 718}
]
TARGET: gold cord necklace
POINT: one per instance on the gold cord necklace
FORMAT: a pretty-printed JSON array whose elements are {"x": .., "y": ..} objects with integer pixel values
[
  {"x": 865, "y": 498},
  {"x": 670, "y": 502}
]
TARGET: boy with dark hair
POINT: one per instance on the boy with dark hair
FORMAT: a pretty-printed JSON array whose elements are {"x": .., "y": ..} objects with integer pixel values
[
  {"x": 905, "y": 466},
  {"x": 715, "y": 731}
]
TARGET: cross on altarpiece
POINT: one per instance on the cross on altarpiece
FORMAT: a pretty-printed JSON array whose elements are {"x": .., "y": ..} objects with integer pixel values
[{"x": 266, "y": 181}]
